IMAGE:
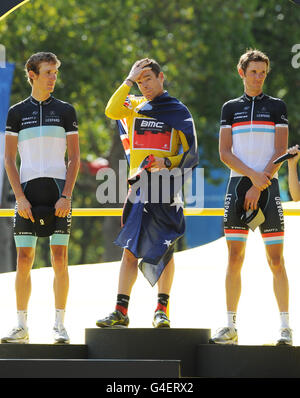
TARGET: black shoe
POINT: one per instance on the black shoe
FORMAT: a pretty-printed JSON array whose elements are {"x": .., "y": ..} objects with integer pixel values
[{"x": 114, "y": 320}]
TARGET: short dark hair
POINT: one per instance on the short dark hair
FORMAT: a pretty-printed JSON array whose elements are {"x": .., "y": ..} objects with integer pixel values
[
  {"x": 154, "y": 65},
  {"x": 34, "y": 61},
  {"x": 252, "y": 55}
]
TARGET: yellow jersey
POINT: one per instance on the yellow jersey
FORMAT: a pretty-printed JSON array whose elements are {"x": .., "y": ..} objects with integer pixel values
[{"x": 145, "y": 135}]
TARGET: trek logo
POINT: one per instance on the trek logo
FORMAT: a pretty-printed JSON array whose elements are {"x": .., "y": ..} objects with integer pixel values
[{"x": 152, "y": 124}]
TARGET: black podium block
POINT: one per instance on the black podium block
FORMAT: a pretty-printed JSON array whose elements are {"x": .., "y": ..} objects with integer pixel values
[
  {"x": 163, "y": 344},
  {"x": 216, "y": 361},
  {"x": 86, "y": 369},
  {"x": 43, "y": 351}
]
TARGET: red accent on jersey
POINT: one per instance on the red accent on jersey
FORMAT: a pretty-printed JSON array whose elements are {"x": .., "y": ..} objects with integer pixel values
[{"x": 145, "y": 141}]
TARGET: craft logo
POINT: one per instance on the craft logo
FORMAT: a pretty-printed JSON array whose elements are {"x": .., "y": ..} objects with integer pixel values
[
  {"x": 2, "y": 56},
  {"x": 296, "y": 57}
]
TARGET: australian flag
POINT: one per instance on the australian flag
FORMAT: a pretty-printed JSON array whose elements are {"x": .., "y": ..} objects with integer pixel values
[{"x": 150, "y": 230}]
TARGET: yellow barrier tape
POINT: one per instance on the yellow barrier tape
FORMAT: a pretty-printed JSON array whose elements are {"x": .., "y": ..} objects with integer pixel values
[{"x": 188, "y": 211}]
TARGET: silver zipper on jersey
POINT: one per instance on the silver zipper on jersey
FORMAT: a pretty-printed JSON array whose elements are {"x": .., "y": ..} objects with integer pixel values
[
  {"x": 41, "y": 141},
  {"x": 252, "y": 111},
  {"x": 251, "y": 124}
]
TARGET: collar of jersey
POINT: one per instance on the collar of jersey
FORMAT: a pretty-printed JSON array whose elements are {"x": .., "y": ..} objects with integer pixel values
[
  {"x": 257, "y": 97},
  {"x": 36, "y": 102}
]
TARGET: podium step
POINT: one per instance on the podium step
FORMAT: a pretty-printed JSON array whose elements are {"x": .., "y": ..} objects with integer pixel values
[
  {"x": 87, "y": 368},
  {"x": 43, "y": 351},
  {"x": 154, "y": 344},
  {"x": 148, "y": 353},
  {"x": 216, "y": 361}
]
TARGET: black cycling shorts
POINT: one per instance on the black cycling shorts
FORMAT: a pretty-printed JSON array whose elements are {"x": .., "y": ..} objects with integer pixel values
[
  {"x": 42, "y": 192},
  {"x": 272, "y": 229}
]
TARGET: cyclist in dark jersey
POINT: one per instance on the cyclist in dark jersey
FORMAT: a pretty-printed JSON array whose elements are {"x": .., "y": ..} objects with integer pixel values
[
  {"x": 41, "y": 128},
  {"x": 254, "y": 132}
]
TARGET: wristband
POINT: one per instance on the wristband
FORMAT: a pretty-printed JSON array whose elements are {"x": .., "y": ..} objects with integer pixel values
[
  {"x": 130, "y": 80},
  {"x": 66, "y": 197}
]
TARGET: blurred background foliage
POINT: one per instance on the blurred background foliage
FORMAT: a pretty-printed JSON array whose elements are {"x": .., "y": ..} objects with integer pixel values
[{"x": 198, "y": 44}]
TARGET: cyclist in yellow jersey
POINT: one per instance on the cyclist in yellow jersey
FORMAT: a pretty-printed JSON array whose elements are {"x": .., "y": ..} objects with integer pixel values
[
  {"x": 121, "y": 105},
  {"x": 146, "y": 135}
]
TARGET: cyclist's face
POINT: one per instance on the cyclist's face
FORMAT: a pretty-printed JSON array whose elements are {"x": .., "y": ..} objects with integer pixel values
[
  {"x": 46, "y": 79},
  {"x": 150, "y": 85},
  {"x": 255, "y": 76}
]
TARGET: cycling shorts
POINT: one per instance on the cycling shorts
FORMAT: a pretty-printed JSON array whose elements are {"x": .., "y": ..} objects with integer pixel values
[
  {"x": 272, "y": 229},
  {"x": 42, "y": 192}
]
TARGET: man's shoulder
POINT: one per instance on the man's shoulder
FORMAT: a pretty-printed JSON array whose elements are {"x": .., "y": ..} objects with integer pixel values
[
  {"x": 15, "y": 114},
  {"x": 17, "y": 107},
  {"x": 274, "y": 99},
  {"x": 233, "y": 101},
  {"x": 63, "y": 104}
]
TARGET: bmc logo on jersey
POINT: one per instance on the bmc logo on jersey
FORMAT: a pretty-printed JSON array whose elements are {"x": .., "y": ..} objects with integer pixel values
[
  {"x": 152, "y": 124},
  {"x": 151, "y": 134}
]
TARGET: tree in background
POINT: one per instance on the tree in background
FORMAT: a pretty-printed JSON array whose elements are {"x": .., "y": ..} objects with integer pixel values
[
  {"x": 276, "y": 31},
  {"x": 198, "y": 43}
]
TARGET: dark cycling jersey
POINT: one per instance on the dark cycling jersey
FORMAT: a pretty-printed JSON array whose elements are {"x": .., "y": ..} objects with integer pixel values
[
  {"x": 253, "y": 121},
  {"x": 41, "y": 128}
]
